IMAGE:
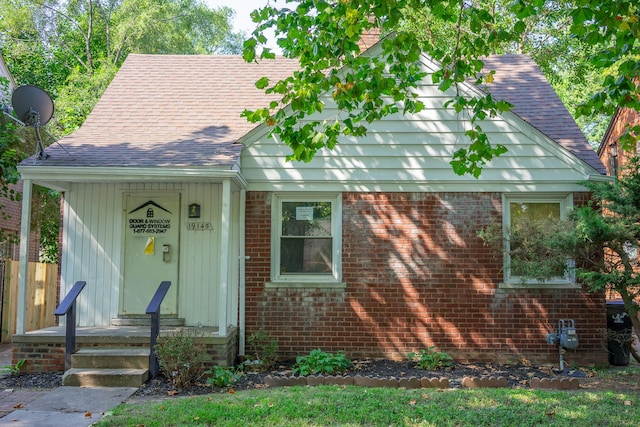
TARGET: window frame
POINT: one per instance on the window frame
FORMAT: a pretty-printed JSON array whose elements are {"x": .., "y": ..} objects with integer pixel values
[
  {"x": 333, "y": 279},
  {"x": 565, "y": 200}
]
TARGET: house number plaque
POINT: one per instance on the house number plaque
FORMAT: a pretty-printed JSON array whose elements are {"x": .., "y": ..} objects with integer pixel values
[{"x": 199, "y": 226}]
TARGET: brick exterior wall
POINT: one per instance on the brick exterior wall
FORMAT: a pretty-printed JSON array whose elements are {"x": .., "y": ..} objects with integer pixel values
[
  {"x": 611, "y": 138},
  {"x": 416, "y": 276}
]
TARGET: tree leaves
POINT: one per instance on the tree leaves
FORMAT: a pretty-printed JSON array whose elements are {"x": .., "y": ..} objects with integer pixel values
[{"x": 323, "y": 36}]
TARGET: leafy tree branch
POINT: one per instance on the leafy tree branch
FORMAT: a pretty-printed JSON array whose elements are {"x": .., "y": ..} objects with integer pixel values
[{"x": 323, "y": 36}]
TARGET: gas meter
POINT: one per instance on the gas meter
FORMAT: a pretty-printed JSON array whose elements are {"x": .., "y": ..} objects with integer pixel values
[{"x": 565, "y": 337}]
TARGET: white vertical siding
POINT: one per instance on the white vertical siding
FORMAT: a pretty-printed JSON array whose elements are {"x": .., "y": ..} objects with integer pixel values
[
  {"x": 199, "y": 265},
  {"x": 92, "y": 246},
  {"x": 91, "y": 250}
]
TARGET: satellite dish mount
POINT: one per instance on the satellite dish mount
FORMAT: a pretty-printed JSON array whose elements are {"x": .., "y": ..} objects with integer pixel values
[{"x": 34, "y": 108}]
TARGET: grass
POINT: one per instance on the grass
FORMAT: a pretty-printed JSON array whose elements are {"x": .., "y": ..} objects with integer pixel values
[
  {"x": 624, "y": 374},
  {"x": 358, "y": 406}
]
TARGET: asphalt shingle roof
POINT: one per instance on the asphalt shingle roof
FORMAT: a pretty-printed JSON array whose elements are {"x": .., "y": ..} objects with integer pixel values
[
  {"x": 184, "y": 111},
  {"x": 170, "y": 110},
  {"x": 519, "y": 80}
]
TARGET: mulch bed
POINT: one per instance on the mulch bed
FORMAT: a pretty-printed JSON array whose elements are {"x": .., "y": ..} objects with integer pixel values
[{"x": 517, "y": 376}]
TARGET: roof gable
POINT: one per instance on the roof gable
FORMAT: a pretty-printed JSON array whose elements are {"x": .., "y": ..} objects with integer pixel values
[{"x": 4, "y": 72}]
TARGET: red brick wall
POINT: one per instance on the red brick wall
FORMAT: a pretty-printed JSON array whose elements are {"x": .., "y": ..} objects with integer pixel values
[
  {"x": 416, "y": 275},
  {"x": 616, "y": 129}
]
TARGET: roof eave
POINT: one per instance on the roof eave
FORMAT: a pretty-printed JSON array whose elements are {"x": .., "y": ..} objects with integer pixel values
[{"x": 60, "y": 177}]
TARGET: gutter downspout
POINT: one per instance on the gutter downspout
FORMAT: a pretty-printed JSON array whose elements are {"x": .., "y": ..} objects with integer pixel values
[{"x": 242, "y": 278}]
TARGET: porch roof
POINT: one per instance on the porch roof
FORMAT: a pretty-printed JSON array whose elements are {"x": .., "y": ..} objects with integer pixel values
[{"x": 167, "y": 111}]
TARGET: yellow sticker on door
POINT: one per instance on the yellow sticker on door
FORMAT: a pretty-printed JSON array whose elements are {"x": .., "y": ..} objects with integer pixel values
[{"x": 150, "y": 247}]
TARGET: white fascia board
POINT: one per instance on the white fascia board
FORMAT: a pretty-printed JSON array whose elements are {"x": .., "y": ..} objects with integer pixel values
[
  {"x": 60, "y": 175},
  {"x": 601, "y": 178},
  {"x": 436, "y": 186}
]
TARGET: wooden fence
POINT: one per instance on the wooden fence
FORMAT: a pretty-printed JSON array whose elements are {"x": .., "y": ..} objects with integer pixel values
[{"x": 42, "y": 294}]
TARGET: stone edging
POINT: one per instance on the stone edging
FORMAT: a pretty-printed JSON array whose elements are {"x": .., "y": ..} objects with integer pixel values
[
  {"x": 415, "y": 383},
  {"x": 555, "y": 383}
]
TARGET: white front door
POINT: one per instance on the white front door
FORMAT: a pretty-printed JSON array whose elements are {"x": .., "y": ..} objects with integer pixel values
[{"x": 152, "y": 236}]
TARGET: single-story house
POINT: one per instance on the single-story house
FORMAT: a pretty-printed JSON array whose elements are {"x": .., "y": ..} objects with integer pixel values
[{"x": 370, "y": 248}]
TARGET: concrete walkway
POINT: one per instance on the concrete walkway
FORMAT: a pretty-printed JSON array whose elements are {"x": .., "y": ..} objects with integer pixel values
[
  {"x": 67, "y": 406},
  {"x": 62, "y": 406}
]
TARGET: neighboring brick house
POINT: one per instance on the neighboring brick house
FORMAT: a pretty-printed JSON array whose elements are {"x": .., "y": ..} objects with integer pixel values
[
  {"x": 613, "y": 156},
  {"x": 610, "y": 152},
  {"x": 371, "y": 248}
]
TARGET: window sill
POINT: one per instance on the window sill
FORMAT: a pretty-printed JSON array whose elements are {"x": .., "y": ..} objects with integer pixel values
[
  {"x": 306, "y": 285},
  {"x": 539, "y": 285}
]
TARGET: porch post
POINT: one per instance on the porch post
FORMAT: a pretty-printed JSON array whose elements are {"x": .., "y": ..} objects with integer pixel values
[
  {"x": 242, "y": 275},
  {"x": 23, "y": 271},
  {"x": 225, "y": 236}
]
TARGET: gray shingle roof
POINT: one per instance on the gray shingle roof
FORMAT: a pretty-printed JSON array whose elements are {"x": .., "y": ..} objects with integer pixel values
[
  {"x": 170, "y": 111},
  {"x": 184, "y": 111},
  {"x": 520, "y": 81}
]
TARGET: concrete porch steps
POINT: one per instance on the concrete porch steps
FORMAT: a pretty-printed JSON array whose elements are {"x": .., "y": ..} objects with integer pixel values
[
  {"x": 108, "y": 367},
  {"x": 105, "y": 377}
]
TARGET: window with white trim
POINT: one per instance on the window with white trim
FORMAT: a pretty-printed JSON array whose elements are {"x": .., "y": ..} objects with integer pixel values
[
  {"x": 306, "y": 238},
  {"x": 517, "y": 210}
]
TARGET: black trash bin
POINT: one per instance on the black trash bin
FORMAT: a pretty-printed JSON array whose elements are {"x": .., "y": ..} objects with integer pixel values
[{"x": 619, "y": 329}]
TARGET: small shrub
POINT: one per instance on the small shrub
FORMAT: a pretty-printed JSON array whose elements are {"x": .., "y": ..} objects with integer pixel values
[
  {"x": 16, "y": 369},
  {"x": 320, "y": 362},
  {"x": 180, "y": 357},
  {"x": 431, "y": 358},
  {"x": 221, "y": 377},
  {"x": 265, "y": 350}
]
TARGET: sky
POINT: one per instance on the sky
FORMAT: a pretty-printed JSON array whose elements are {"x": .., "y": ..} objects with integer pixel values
[{"x": 242, "y": 21}]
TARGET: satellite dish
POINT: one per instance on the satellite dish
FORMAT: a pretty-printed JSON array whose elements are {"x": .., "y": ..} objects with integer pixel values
[{"x": 34, "y": 107}]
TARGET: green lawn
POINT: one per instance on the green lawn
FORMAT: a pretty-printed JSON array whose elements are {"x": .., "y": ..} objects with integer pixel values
[{"x": 357, "y": 406}]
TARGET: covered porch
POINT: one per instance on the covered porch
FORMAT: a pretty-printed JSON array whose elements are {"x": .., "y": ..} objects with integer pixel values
[{"x": 203, "y": 261}]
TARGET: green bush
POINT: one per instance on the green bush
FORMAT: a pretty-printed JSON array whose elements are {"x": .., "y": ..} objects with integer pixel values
[
  {"x": 181, "y": 357},
  {"x": 320, "y": 362},
  {"x": 431, "y": 358},
  {"x": 221, "y": 377}
]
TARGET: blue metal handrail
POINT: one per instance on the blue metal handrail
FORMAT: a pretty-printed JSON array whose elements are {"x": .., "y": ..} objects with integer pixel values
[
  {"x": 68, "y": 307},
  {"x": 154, "y": 310}
]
